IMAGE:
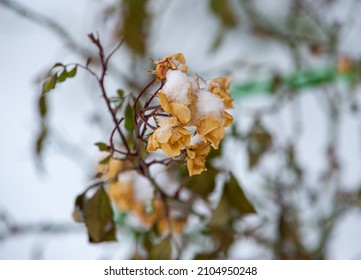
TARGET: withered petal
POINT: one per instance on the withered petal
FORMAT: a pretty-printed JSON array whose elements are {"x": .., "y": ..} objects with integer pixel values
[{"x": 181, "y": 112}]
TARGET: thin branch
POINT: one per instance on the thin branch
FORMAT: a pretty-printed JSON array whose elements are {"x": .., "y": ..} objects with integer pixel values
[
  {"x": 144, "y": 120},
  {"x": 113, "y": 51},
  {"x": 166, "y": 161},
  {"x": 113, "y": 132},
  {"x": 118, "y": 151},
  {"x": 147, "y": 103},
  {"x": 100, "y": 80},
  {"x": 14, "y": 229},
  {"x": 140, "y": 95}
]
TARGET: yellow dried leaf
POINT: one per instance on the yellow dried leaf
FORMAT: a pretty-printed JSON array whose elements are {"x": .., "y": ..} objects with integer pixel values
[
  {"x": 121, "y": 194},
  {"x": 149, "y": 218},
  {"x": 227, "y": 119},
  {"x": 152, "y": 144},
  {"x": 175, "y": 225},
  {"x": 162, "y": 136},
  {"x": 196, "y": 158},
  {"x": 111, "y": 169},
  {"x": 173, "y": 62},
  {"x": 191, "y": 154},
  {"x": 219, "y": 87},
  {"x": 169, "y": 151},
  {"x": 161, "y": 70},
  {"x": 170, "y": 137},
  {"x": 215, "y": 136},
  {"x": 181, "y": 112},
  {"x": 163, "y": 101},
  {"x": 207, "y": 125},
  {"x": 171, "y": 121}
]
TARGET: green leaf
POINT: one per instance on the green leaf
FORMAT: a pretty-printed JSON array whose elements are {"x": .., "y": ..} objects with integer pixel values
[
  {"x": 62, "y": 77},
  {"x": 98, "y": 215},
  {"x": 42, "y": 136},
  {"x": 237, "y": 198},
  {"x": 78, "y": 212},
  {"x": 72, "y": 72},
  {"x": 232, "y": 199},
  {"x": 218, "y": 40},
  {"x": 259, "y": 141},
  {"x": 105, "y": 160},
  {"x": 58, "y": 64},
  {"x": 224, "y": 237},
  {"x": 135, "y": 21},
  {"x": 147, "y": 241},
  {"x": 129, "y": 119},
  {"x": 114, "y": 99},
  {"x": 204, "y": 183},
  {"x": 207, "y": 256},
  {"x": 222, "y": 9},
  {"x": 161, "y": 251},
  {"x": 43, "y": 109},
  {"x": 39, "y": 145},
  {"x": 49, "y": 84},
  {"x": 120, "y": 93},
  {"x": 222, "y": 214},
  {"x": 102, "y": 146}
]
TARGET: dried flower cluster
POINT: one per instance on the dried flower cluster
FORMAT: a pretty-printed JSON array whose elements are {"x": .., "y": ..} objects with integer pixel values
[
  {"x": 133, "y": 193},
  {"x": 197, "y": 114}
]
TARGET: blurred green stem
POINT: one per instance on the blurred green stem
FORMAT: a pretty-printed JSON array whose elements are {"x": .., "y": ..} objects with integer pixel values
[{"x": 297, "y": 81}]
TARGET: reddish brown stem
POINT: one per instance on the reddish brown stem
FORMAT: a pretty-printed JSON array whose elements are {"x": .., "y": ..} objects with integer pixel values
[
  {"x": 165, "y": 162},
  {"x": 139, "y": 96},
  {"x": 113, "y": 132},
  {"x": 147, "y": 103},
  {"x": 104, "y": 63}
]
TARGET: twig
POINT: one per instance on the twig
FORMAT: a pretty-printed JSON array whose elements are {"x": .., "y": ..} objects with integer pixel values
[
  {"x": 100, "y": 80},
  {"x": 112, "y": 134},
  {"x": 140, "y": 95}
]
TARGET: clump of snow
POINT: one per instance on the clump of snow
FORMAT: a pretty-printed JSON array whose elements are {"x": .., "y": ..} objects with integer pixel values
[
  {"x": 127, "y": 176},
  {"x": 177, "y": 86},
  {"x": 195, "y": 139},
  {"x": 209, "y": 104},
  {"x": 194, "y": 83},
  {"x": 142, "y": 187}
]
